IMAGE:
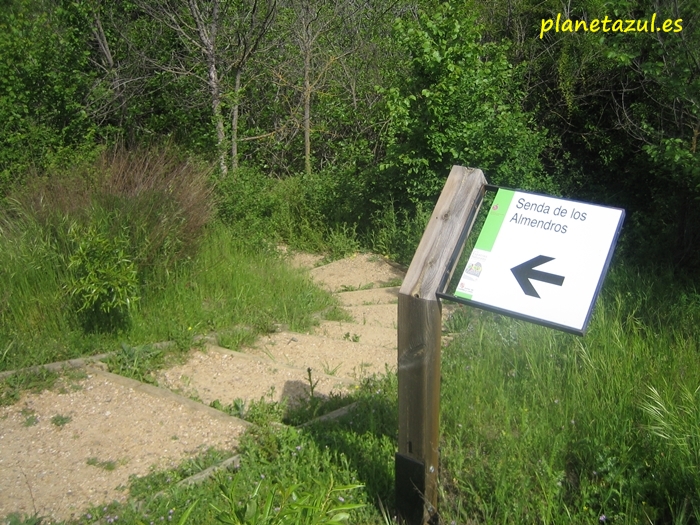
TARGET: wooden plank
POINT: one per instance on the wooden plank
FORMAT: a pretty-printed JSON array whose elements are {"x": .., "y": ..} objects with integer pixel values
[
  {"x": 419, "y": 343},
  {"x": 462, "y": 189}
]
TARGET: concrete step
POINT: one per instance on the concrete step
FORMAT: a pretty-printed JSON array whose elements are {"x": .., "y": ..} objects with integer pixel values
[
  {"x": 342, "y": 358},
  {"x": 358, "y": 333},
  {"x": 389, "y": 295},
  {"x": 226, "y": 375},
  {"x": 341, "y": 274}
]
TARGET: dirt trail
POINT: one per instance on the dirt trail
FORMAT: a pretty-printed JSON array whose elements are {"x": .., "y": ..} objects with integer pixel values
[{"x": 77, "y": 445}]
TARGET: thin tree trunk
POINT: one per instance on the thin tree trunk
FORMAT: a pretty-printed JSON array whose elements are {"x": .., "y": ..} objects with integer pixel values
[
  {"x": 215, "y": 89},
  {"x": 307, "y": 110},
  {"x": 234, "y": 119}
]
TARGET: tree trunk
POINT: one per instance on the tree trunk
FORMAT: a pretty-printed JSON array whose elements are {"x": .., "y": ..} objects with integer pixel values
[
  {"x": 215, "y": 89},
  {"x": 307, "y": 109},
  {"x": 234, "y": 119}
]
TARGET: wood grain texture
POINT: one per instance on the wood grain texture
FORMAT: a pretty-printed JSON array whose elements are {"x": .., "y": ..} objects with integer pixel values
[
  {"x": 419, "y": 341},
  {"x": 420, "y": 333},
  {"x": 462, "y": 189}
]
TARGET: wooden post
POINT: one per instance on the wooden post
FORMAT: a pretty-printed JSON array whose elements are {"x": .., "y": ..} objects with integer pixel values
[{"x": 419, "y": 342}]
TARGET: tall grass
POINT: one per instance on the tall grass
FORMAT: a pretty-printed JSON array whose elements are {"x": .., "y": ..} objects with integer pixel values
[
  {"x": 545, "y": 427},
  {"x": 123, "y": 250},
  {"x": 229, "y": 288}
]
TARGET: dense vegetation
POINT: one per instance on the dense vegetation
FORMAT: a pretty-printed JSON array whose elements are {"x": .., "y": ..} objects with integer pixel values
[
  {"x": 154, "y": 153},
  {"x": 368, "y": 104}
]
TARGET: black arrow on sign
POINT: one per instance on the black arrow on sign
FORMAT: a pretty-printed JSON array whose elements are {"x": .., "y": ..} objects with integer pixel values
[{"x": 524, "y": 272}]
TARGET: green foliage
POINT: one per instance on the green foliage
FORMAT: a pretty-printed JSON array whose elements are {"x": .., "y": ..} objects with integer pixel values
[
  {"x": 11, "y": 387},
  {"x": 558, "y": 427},
  {"x": 293, "y": 211},
  {"x": 46, "y": 75},
  {"x": 131, "y": 227},
  {"x": 103, "y": 281},
  {"x": 460, "y": 105},
  {"x": 96, "y": 239},
  {"x": 159, "y": 480},
  {"x": 136, "y": 362},
  {"x": 16, "y": 519},
  {"x": 396, "y": 233},
  {"x": 274, "y": 505},
  {"x": 60, "y": 420},
  {"x": 269, "y": 210},
  {"x": 261, "y": 412},
  {"x": 675, "y": 418},
  {"x": 108, "y": 465}
]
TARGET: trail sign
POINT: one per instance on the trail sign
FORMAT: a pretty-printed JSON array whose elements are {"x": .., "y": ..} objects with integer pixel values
[{"x": 540, "y": 258}]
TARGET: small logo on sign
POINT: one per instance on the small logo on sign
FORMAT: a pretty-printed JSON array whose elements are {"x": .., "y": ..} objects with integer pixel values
[
  {"x": 474, "y": 269},
  {"x": 495, "y": 207}
]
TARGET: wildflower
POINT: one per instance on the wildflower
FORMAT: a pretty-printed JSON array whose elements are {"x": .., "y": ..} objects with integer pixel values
[
  {"x": 341, "y": 499},
  {"x": 603, "y": 518},
  {"x": 298, "y": 447}
]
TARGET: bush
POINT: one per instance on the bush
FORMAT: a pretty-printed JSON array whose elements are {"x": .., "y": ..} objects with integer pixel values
[
  {"x": 461, "y": 104},
  {"x": 396, "y": 234},
  {"x": 103, "y": 281},
  {"x": 108, "y": 229}
]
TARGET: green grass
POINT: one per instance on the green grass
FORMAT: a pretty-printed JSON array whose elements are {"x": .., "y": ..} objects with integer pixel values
[
  {"x": 12, "y": 387},
  {"x": 30, "y": 418},
  {"x": 106, "y": 465},
  {"x": 536, "y": 426},
  {"x": 540, "y": 426},
  {"x": 228, "y": 288},
  {"x": 60, "y": 420},
  {"x": 286, "y": 475}
]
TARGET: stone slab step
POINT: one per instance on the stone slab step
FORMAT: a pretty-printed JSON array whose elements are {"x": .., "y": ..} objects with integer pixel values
[
  {"x": 358, "y": 333},
  {"x": 388, "y": 295},
  {"x": 342, "y": 274},
  {"x": 106, "y": 419},
  {"x": 325, "y": 354},
  {"x": 379, "y": 315},
  {"x": 225, "y": 375}
]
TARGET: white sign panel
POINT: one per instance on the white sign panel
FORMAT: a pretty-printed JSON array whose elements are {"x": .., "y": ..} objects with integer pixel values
[{"x": 541, "y": 258}]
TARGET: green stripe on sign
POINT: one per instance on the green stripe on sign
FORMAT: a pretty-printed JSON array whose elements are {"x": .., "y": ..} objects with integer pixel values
[{"x": 494, "y": 220}]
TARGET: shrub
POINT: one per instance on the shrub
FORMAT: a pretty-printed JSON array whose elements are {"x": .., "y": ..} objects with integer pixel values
[
  {"x": 103, "y": 283},
  {"x": 110, "y": 227},
  {"x": 460, "y": 105},
  {"x": 396, "y": 234}
]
